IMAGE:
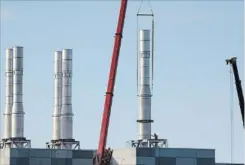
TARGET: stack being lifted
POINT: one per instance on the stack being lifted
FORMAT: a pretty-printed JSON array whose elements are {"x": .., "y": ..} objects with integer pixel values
[{"x": 145, "y": 71}]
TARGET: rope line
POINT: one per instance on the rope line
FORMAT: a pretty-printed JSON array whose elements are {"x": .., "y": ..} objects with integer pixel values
[
  {"x": 1, "y": 13},
  {"x": 231, "y": 116},
  {"x": 152, "y": 45},
  {"x": 152, "y": 54},
  {"x": 137, "y": 57}
]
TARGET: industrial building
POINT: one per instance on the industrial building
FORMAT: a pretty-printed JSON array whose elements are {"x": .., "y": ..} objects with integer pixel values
[
  {"x": 126, "y": 156},
  {"x": 63, "y": 149}
]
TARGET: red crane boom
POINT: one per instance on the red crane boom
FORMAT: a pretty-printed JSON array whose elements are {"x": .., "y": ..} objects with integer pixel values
[{"x": 103, "y": 155}]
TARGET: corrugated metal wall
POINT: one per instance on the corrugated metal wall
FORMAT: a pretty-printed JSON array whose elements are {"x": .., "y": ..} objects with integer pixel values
[
  {"x": 175, "y": 156},
  {"x": 164, "y": 156},
  {"x": 228, "y": 164},
  {"x": 125, "y": 156},
  {"x": 128, "y": 156},
  {"x": 45, "y": 157}
]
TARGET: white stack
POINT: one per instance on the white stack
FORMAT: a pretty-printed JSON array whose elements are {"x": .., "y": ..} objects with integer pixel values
[
  {"x": 62, "y": 115},
  {"x": 144, "y": 119},
  {"x": 57, "y": 96},
  {"x": 66, "y": 115},
  {"x": 145, "y": 55},
  {"x": 18, "y": 109},
  {"x": 8, "y": 94},
  {"x": 13, "y": 133}
]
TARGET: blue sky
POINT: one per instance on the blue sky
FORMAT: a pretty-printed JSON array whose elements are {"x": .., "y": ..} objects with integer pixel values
[{"x": 191, "y": 102}]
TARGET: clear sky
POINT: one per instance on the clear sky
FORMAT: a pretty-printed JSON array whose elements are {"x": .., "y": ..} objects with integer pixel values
[{"x": 191, "y": 101}]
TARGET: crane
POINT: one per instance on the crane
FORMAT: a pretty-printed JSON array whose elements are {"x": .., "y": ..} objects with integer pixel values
[
  {"x": 232, "y": 62},
  {"x": 103, "y": 155}
]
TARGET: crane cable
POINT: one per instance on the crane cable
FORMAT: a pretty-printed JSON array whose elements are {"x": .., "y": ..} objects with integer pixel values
[
  {"x": 1, "y": 14},
  {"x": 152, "y": 44},
  {"x": 231, "y": 116}
]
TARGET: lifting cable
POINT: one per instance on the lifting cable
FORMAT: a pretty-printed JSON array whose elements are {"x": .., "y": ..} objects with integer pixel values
[
  {"x": 231, "y": 116},
  {"x": 152, "y": 44},
  {"x": 1, "y": 15}
]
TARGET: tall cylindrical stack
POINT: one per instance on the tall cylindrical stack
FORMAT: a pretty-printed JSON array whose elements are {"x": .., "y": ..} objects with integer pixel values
[
  {"x": 144, "y": 120},
  {"x": 62, "y": 133},
  {"x": 9, "y": 94},
  {"x": 57, "y": 94},
  {"x": 18, "y": 110},
  {"x": 66, "y": 109}
]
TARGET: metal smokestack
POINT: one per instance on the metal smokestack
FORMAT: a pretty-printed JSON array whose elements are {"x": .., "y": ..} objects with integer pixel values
[
  {"x": 66, "y": 109},
  {"x": 145, "y": 72},
  {"x": 62, "y": 135},
  {"x": 8, "y": 94},
  {"x": 17, "y": 109},
  {"x": 57, "y": 95},
  {"x": 144, "y": 120}
]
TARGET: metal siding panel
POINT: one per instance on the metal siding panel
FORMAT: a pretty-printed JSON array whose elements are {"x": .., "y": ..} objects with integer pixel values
[
  {"x": 157, "y": 152},
  {"x": 19, "y": 161},
  {"x": 82, "y": 154},
  {"x": 19, "y": 152},
  {"x": 5, "y": 152},
  {"x": 125, "y": 152},
  {"x": 187, "y": 153},
  {"x": 186, "y": 161},
  {"x": 201, "y": 153},
  {"x": 177, "y": 152},
  {"x": 167, "y": 152},
  {"x": 205, "y": 161},
  {"x": 165, "y": 161},
  {"x": 4, "y": 160},
  {"x": 157, "y": 161},
  {"x": 40, "y": 161},
  {"x": 61, "y": 154},
  {"x": 145, "y": 152},
  {"x": 124, "y": 156},
  {"x": 145, "y": 160},
  {"x": 124, "y": 160},
  {"x": 82, "y": 162},
  {"x": 228, "y": 164},
  {"x": 40, "y": 153},
  {"x": 61, "y": 161}
]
